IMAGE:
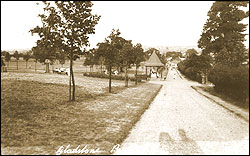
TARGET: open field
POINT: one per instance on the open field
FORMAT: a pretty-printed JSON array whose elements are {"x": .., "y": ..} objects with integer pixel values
[
  {"x": 40, "y": 67},
  {"x": 36, "y": 117},
  {"x": 32, "y": 66}
]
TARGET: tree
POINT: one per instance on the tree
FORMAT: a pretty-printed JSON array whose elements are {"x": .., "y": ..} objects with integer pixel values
[
  {"x": 40, "y": 53},
  {"x": 90, "y": 59},
  {"x": 118, "y": 43},
  {"x": 109, "y": 51},
  {"x": 100, "y": 62},
  {"x": 61, "y": 57},
  {"x": 194, "y": 66},
  {"x": 36, "y": 59},
  {"x": 138, "y": 57},
  {"x": 149, "y": 52},
  {"x": 7, "y": 56},
  {"x": 189, "y": 52},
  {"x": 52, "y": 62},
  {"x": 126, "y": 54},
  {"x": 66, "y": 26},
  {"x": 62, "y": 60},
  {"x": 35, "y": 55},
  {"x": 222, "y": 34},
  {"x": 16, "y": 56},
  {"x": 26, "y": 57},
  {"x": 171, "y": 55},
  {"x": 2, "y": 63}
]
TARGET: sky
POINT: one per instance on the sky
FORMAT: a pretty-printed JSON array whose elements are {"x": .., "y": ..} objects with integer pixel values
[{"x": 151, "y": 23}]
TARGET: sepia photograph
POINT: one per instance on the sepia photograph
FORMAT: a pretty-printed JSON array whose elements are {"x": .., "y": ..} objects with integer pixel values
[{"x": 124, "y": 77}]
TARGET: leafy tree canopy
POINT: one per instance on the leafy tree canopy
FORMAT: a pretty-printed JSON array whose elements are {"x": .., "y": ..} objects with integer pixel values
[
  {"x": 223, "y": 34},
  {"x": 66, "y": 26}
]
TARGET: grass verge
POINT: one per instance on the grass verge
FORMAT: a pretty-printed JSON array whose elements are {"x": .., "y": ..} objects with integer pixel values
[
  {"x": 37, "y": 119},
  {"x": 212, "y": 91}
]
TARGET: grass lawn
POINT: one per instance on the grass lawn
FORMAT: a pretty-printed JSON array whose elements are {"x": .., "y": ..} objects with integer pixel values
[
  {"x": 36, "y": 117},
  {"x": 226, "y": 98}
]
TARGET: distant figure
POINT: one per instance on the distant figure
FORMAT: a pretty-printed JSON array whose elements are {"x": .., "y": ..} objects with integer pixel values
[
  {"x": 116, "y": 72},
  {"x": 152, "y": 74}
]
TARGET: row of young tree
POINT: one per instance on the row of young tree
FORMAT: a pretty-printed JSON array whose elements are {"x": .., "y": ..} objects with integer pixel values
[
  {"x": 26, "y": 56},
  {"x": 31, "y": 54},
  {"x": 64, "y": 34},
  {"x": 224, "y": 56},
  {"x": 116, "y": 52}
]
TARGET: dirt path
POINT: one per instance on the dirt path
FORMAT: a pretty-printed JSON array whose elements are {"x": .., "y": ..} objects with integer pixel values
[{"x": 181, "y": 121}]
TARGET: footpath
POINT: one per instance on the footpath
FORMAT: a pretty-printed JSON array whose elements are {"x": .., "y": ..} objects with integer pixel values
[{"x": 243, "y": 114}]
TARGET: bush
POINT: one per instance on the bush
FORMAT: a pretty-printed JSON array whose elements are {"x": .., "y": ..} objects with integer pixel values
[
  {"x": 191, "y": 72},
  {"x": 192, "y": 67},
  {"x": 233, "y": 82},
  {"x": 115, "y": 77},
  {"x": 181, "y": 67}
]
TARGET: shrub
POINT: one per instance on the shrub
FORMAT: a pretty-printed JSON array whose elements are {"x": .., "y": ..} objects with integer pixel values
[
  {"x": 193, "y": 65},
  {"x": 181, "y": 67},
  {"x": 193, "y": 74}
]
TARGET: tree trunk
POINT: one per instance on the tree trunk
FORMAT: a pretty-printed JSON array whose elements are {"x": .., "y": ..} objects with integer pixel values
[
  {"x": 136, "y": 74},
  {"x": 35, "y": 66},
  {"x": 126, "y": 75},
  {"x": 206, "y": 78},
  {"x": 110, "y": 68},
  {"x": 26, "y": 64},
  {"x": 17, "y": 64},
  {"x": 74, "y": 87},
  {"x": 161, "y": 73},
  {"x": 70, "y": 87},
  {"x": 121, "y": 69},
  {"x": 73, "y": 80},
  {"x": 70, "y": 63}
]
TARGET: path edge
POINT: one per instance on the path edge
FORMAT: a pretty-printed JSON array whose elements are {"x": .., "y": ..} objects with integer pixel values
[{"x": 234, "y": 111}]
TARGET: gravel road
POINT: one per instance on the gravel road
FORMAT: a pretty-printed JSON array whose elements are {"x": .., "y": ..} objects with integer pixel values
[{"x": 181, "y": 121}]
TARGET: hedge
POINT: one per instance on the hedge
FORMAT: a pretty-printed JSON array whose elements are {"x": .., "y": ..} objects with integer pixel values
[
  {"x": 191, "y": 72},
  {"x": 233, "y": 82},
  {"x": 115, "y": 77}
]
